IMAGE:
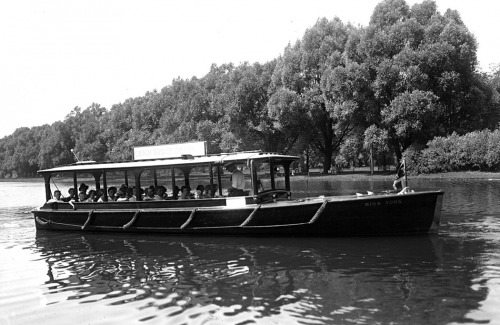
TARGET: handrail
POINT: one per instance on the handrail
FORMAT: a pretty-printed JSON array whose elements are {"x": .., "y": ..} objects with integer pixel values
[
  {"x": 247, "y": 220},
  {"x": 318, "y": 213},
  {"x": 191, "y": 216},
  {"x": 42, "y": 221},
  {"x": 85, "y": 225},
  {"x": 134, "y": 218}
]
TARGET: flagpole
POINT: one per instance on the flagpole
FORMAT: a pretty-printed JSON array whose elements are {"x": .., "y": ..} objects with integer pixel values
[{"x": 404, "y": 171}]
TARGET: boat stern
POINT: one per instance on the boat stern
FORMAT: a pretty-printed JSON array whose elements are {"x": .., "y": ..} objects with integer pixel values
[{"x": 437, "y": 213}]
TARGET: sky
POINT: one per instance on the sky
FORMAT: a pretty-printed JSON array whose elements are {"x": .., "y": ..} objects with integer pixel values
[{"x": 56, "y": 55}]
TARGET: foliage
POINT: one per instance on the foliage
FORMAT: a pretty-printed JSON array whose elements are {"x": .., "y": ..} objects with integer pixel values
[
  {"x": 478, "y": 150},
  {"x": 407, "y": 79}
]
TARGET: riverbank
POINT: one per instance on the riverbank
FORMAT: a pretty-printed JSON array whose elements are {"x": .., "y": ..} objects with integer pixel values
[
  {"x": 359, "y": 174},
  {"x": 384, "y": 175}
]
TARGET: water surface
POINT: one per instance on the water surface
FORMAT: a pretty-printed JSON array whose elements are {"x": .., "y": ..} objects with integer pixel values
[{"x": 84, "y": 278}]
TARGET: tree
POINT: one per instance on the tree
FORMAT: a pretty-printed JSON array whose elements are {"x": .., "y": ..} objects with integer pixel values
[
  {"x": 426, "y": 60},
  {"x": 310, "y": 69}
]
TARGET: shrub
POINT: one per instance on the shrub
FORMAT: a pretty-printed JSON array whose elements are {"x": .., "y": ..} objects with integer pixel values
[{"x": 478, "y": 150}]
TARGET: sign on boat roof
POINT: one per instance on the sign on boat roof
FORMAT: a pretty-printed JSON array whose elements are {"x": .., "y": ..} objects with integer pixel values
[
  {"x": 185, "y": 160},
  {"x": 170, "y": 150}
]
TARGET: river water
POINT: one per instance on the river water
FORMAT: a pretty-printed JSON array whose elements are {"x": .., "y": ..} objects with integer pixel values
[{"x": 84, "y": 278}]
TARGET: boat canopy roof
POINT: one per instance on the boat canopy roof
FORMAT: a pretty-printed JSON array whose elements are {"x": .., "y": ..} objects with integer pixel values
[{"x": 186, "y": 160}]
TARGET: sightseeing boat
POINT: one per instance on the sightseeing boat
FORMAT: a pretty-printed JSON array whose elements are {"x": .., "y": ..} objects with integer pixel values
[{"x": 262, "y": 211}]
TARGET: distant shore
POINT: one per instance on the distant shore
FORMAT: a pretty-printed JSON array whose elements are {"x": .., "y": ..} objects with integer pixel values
[{"x": 359, "y": 174}]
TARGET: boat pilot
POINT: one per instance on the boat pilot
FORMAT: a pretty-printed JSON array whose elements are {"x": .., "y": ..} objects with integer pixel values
[{"x": 237, "y": 181}]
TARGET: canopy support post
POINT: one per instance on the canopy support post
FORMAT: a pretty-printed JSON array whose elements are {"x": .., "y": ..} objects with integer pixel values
[
  {"x": 212, "y": 192},
  {"x": 48, "y": 192},
  {"x": 219, "y": 178},
  {"x": 75, "y": 186},
  {"x": 137, "y": 177},
  {"x": 97, "y": 178},
  {"x": 105, "y": 186},
  {"x": 271, "y": 171}
]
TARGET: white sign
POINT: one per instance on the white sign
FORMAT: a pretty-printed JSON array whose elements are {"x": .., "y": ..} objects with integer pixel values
[{"x": 170, "y": 150}]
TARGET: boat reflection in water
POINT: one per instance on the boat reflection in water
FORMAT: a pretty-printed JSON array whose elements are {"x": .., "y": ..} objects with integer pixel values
[{"x": 240, "y": 279}]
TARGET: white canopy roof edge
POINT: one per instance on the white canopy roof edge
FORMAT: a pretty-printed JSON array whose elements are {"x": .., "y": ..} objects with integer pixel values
[{"x": 223, "y": 158}]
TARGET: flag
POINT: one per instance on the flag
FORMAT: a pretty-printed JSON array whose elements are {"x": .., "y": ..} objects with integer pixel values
[{"x": 400, "y": 174}]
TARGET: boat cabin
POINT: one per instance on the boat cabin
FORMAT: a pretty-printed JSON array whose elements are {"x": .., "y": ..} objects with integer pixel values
[{"x": 181, "y": 170}]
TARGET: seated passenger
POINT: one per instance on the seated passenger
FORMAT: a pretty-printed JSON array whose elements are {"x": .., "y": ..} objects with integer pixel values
[
  {"x": 120, "y": 196},
  {"x": 185, "y": 193},
  {"x": 199, "y": 192},
  {"x": 150, "y": 193},
  {"x": 83, "y": 188},
  {"x": 92, "y": 196},
  {"x": 56, "y": 198},
  {"x": 100, "y": 195},
  {"x": 71, "y": 192},
  {"x": 131, "y": 194},
  {"x": 207, "y": 194},
  {"x": 112, "y": 193},
  {"x": 160, "y": 193},
  {"x": 82, "y": 197}
]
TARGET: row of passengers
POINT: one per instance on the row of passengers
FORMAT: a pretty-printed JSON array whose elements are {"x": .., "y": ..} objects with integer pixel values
[
  {"x": 202, "y": 192},
  {"x": 129, "y": 194}
]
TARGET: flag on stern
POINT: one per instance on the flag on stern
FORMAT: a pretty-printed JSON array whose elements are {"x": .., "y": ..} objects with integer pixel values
[{"x": 400, "y": 180}]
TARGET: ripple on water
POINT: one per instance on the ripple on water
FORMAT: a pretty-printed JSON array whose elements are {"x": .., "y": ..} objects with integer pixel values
[{"x": 52, "y": 277}]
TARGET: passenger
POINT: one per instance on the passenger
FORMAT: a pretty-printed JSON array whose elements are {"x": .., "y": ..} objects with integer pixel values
[
  {"x": 237, "y": 181},
  {"x": 82, "y": 196},
  {"x": 112, "y": 193},
  {"x": 207, "y": 194},
  {"x": 120, "y": 196},
  {"x": 56, "y": 198},
  {"x": 100, "y": 195},
  {"x": 199, "y": 192},
  {"x": 216, "y": 190},
  {"x": 71, "y": 193},
  {"x": 123, "y": 188},
  {"x": 150, "y": 193},
  {"x": 92, "y": 196},
  {"x": 160, "y": 193},
  {"x": 185, "y": 193},
  {"x": 131, "y": 194},
  {"x": 83, "y": 188}
]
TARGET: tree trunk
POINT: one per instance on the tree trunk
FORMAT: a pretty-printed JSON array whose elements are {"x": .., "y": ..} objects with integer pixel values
[{"x": 328, "y": 159}]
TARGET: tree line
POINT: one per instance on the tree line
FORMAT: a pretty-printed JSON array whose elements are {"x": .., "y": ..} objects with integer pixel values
[{"x": 338, "y": 92}]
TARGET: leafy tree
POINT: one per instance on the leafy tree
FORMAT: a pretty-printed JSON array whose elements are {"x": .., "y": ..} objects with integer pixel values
[
  {"x": 310, "y": 69},
  {"x": 426, "y": 60}
]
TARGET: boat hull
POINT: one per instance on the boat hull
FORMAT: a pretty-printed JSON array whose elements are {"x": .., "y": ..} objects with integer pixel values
[{"x": 384, "y": 214}]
